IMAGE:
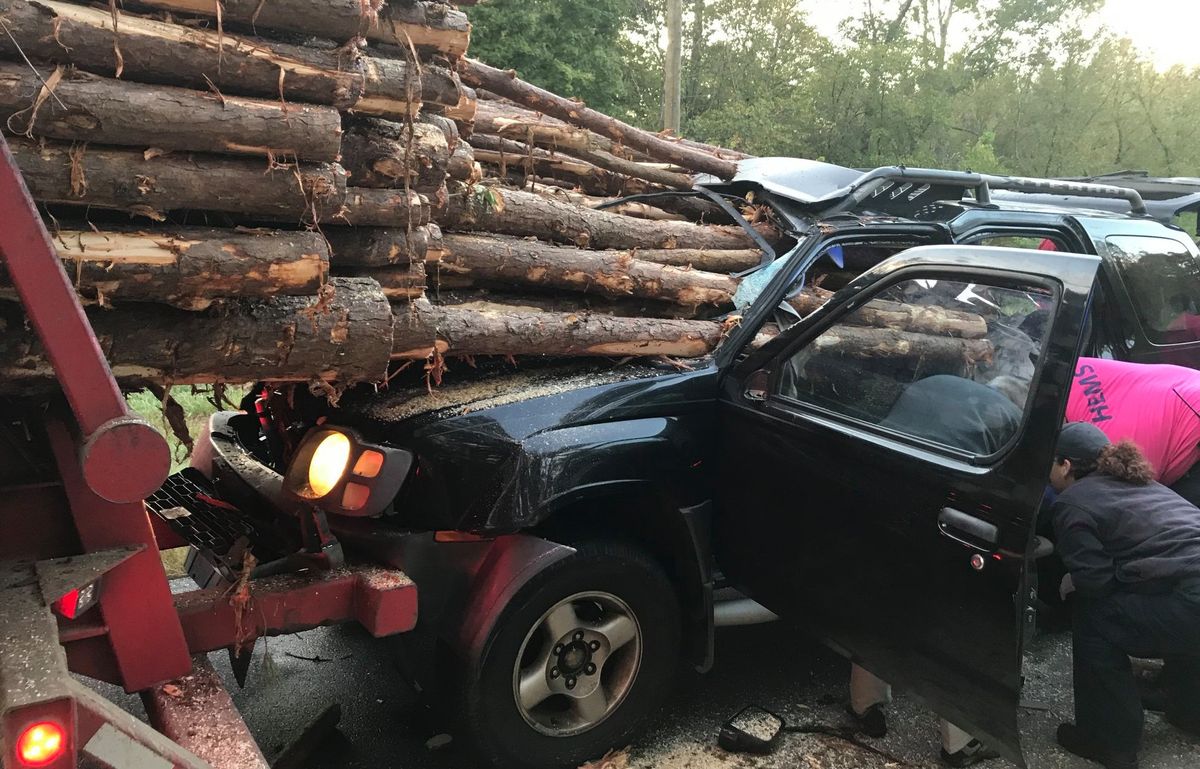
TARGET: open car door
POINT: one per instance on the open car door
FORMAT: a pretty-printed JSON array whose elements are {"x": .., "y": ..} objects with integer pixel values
[{"x": 883, "y": 459}]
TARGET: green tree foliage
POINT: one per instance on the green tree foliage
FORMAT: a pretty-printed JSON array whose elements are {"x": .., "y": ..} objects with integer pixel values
[
  {"x": 572, "y": 47},
  {"x": 1004, "y": 86}
]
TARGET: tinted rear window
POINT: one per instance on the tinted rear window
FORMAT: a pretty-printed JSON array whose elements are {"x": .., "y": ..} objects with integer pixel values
[{"x": 1163, "y": 277}]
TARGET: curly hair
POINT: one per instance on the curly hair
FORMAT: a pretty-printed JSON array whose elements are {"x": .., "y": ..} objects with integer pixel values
[{"x": 1123, "y": 461}]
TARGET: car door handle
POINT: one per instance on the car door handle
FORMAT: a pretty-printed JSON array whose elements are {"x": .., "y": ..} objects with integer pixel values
[{"x": 968, "y": 529}]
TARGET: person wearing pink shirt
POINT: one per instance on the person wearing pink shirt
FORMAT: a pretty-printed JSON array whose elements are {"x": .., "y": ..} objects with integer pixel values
[{"x": 1154, "y": 405}]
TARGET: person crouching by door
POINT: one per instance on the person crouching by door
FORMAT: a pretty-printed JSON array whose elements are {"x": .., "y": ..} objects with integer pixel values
[{"x": 1132, "y": 550}]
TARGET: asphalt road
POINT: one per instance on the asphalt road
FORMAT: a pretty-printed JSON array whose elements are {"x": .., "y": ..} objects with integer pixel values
[{"x": 384, "y": 727}]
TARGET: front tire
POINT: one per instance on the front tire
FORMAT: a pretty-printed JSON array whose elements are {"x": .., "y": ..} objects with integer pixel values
[{"x": 578, "y": 662}]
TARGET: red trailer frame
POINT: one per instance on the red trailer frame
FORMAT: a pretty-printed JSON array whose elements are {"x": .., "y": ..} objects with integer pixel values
[{"x": 87, "y": 533}]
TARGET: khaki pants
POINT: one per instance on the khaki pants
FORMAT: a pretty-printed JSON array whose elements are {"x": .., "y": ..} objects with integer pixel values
[{"x": 867, "y": 690}]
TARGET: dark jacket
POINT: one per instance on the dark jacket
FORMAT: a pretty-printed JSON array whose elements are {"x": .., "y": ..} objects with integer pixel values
[
  {"x": 981, "y": 422},
  {"x": 1114, "y": 535}
]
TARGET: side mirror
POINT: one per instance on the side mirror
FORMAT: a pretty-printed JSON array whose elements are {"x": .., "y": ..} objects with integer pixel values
[
  {"x": 753, "y": 730},
  {"x": 756, "y": 385}
]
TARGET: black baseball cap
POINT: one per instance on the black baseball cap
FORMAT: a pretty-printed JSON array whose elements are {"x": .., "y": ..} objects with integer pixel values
[{"x": 1081, "y": 441}]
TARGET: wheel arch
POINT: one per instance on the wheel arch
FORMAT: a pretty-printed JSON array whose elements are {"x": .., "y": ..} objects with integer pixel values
[{"x": 641, "y": 514}]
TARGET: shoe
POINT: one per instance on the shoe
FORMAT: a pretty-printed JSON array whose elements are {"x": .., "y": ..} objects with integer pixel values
[
  {"x": 872, "y": 722},
  {"x": 1075, "y": 740},
  {"x": 974, "y": 752}
]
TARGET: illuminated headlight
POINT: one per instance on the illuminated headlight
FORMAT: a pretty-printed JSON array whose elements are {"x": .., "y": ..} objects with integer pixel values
[{"x": 340, "y": 473}]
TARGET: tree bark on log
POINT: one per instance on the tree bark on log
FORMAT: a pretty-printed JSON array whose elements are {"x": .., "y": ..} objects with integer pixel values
[
  {"x": 872, "y": 342},
  {"x": 431, "y": 27},
  {"x": 190, "y": 267},
  {"x": 629, "y": 208},
  {"x": 422, "y": 330},
  {"x": 128, "y": 181},
  {"x": 87, "y": 108},
  {"x": 507, "y": 84},
  {"x": 344, "y": 335},
  {"x": 382, "y": 246},
  {"x": 928, "y": 319},
  {"x": 365, "y": 207},
  {"x": 508, "y": 261},
  {"x": 400, "y": 283},
  {"x": 462, "y": 166},
  {"x": 709, "y": 260},
  {"x": 153, "y": 51},
  {"x": 379, "y": 154},
  {"x": 508, "y": 301},
  {"x": 511, "y": 212},
  {"x": 444, "y": 124},
  {"x": 392, "y": 89}
]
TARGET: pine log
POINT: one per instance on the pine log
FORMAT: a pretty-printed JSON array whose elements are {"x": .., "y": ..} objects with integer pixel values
[
  {"x": 88, "y": 108},
  {"x": 508, "y": 301},
  {"x": 629, "y": 208},
  {"x": 870, "y": 342},
  {"x": 190, "y": 267},
  {"x": 444, "y": 124},
  {"x": 400, "y": 283},
  {"x": 382, "y": 246},
  {"x": 344, "y": 335},
  {"x": 382, "y": 154},
  {"x": 507, "y": 84},
  {"x": 512, "y": 212},
  {"x": 429, "y": 26},
  {"x": 462, "y": 166},
  {"x": 127, "y": 180},
  {"x": 464, "y": 112},
  {"x": 153, "y": 51},
  {"x": 710, "y": 260},
  {"x": 388, "y": 91},
  {"x": 366, "y": 207},
  {"x": 928, "y": 319},
  {"x": 421, "y": 330},
  {"x": 508, "y": 261}
]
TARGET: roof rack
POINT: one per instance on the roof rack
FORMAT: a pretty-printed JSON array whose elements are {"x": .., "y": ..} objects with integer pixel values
[{"x": 887, "y": 178}]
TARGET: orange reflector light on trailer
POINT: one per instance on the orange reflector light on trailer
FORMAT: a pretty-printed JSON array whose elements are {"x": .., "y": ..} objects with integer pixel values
[{"x": 41, "y": 744}]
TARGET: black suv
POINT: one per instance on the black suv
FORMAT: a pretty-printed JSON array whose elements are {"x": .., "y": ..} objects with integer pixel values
[{"x": 568, "y": 524}]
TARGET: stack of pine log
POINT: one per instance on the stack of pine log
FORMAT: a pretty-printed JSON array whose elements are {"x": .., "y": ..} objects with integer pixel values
[{"x": 320, "y": 190}]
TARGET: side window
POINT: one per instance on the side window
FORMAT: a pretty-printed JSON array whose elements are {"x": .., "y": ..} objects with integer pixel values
[
  {"x": 1035, "y": 242},
  {"x": 1163, "y": 277},
  {"x": 944, "y": 361}
]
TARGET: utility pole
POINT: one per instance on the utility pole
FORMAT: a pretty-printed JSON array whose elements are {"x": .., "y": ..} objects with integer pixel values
[{"x": 673, "y": 68}]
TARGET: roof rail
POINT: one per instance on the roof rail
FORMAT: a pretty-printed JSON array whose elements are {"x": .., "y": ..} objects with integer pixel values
[{"x": 885, "y": 178}]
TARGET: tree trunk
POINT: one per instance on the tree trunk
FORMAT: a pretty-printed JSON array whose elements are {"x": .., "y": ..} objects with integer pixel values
[
  {"x": 94, "y": 109},
  {"x": 926, "y": 319},
  {"x": 509, "y": 261},
  {"x": 869, "y": 342},
  {"x": 400, "y": 283},
  {"x": 431, "y": 27},
  {"x": 127, "y": 180},
  {"x": 190, "y": 267},
  {"x": 383, "y": 208},
  {"x": 382, "y": 246},
  {"x": 344, "y": 335},
  {"x": 629, "y": 208},
  {"x": 157, "y": 52},
  {"x": 421, "y": 329},
  {"x": 444, "y": 124},
  {"x": 388, "y": 91},
  {"x": 511, "y": 212},
  {"x": 508, "y": 85},
  {"x": 378, "y": 153},
  {"x": 508, "y": 301},
  {"x": 506, "y": 155},
  {"x": 462, "y": 167},
  {"x": 710, "y": 260}
]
